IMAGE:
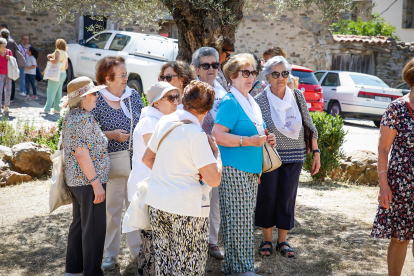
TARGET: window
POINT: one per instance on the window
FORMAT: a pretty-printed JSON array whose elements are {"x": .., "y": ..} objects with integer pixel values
[
  {"x": 319, "y": 75},
  {"x": 368, "y": 80},
  {"x": 408, "y": 14},
  {"x": 99, "y": 41},
  {"x": 305, "y": 77},
  {"x": 331, "y": 79},
  {"x": 119, "y": 42}
]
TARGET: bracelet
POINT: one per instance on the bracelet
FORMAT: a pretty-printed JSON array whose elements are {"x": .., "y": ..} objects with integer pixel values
[
  {"x": 241, "y": 141},
  {"x": 381, "y": 172},
  {"x": 93, "y": 179}
]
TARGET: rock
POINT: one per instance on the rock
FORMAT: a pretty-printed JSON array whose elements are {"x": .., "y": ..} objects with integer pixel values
[
  {"x": 11, "y": 177},
  {"x": 6, "y": 153},
  {"x": 359, "y": 166},
  {"x": 4, "y": 166},
  {"x": 32, "y": 159}
]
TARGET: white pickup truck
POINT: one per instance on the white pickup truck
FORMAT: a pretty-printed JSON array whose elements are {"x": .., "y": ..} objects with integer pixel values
[{"x": 144, "y": 55}]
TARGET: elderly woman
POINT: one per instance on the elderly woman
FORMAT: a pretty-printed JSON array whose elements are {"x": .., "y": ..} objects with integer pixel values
[
  {"x": 179, "y": 74},
  {"x": 5, "y": 81},
  {"x": 177, "y": 197},
  {"x": 87, "y": 169},
  {"x": 54, "y": 88},
  {"x": 116, "y": 106},
  {"x": 163, "y": 99},
  {"x": 286, "y": 115},
  {"x": 394, "y": 219},
  {"x": 240, "y": 133},
  {"x": 205, "y": 61},
  {"x": 224, "y": 46}
]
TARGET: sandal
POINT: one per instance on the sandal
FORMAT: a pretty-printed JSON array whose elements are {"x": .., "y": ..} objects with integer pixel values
[
  {"x": 261, "y": 249},
  {"x": 285, "y": 252},
  {"x": 214, "y": 253}
]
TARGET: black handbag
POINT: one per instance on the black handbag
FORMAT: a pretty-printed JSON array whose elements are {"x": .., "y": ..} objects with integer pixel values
[
  {"x": 307, "y": 131},
  {"x": 39, "y": 76}
]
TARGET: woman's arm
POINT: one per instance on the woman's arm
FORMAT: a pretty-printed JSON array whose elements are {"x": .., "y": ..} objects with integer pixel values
[
  {"x": 225, "y": 139},
  {"x": 386, "y": 138},
  {"x": 117, "y": 134},
  {"x": 149, "y": 158},
  {"x": 56, "y": 57},
  {"x": 86, "y": 164},
  {"x": 212, "y": 172},
  {"x": 31, "y": 67},
  {"x": 316, "y": 164},
  {"x": 146, "y": 138}
]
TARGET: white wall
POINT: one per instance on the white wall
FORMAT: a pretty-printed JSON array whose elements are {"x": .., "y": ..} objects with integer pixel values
[{"x": 394, "y": 16}]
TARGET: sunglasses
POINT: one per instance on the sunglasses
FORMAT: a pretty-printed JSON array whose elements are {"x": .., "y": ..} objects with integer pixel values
[
  {"x": 167, "y": 78},
  {"x": 172, "y": 98},
  {"x": 206, "y": 66},
  {"x": 94, "y": 93},
  {"x": 227, "y": 54},
  {"x": 276, "y": 74},
  {"x": 247, "y": 73}
]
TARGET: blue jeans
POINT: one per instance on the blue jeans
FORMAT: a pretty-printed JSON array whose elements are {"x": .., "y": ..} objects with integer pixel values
[
  {"x": 22, "y": 80},
  {"x": 30, "y": 80}
]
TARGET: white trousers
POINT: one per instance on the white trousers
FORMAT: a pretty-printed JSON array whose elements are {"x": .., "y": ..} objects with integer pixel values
[
  {"x": 116, "y": 195},
  {"x": 214, "y": 216}
]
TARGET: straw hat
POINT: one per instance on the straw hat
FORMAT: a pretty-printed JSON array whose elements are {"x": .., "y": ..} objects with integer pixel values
[
  {"x": 158, "y": 90},
  {"x": 80, "y": 87}
]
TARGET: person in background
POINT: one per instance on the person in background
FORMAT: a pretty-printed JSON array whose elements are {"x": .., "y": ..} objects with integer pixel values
[
  {"x": 179, "y": 74},
  {"x": 163, "y": 100},
  {"x": 114, "y": 115},
  {"x": 87, "y": 169},
  {"x": 258, "y": 85},
  {"x": 272, "y": 52},
  {"x": 225, "y": 47},
  {"x": 4, "y": 26},
  {"x": 394, "y": 219},
  {"x": 30, "y": 72},
  {"x": 5, "y": 81},
  {"x": 24, "y": 47},
  {"x": 205, "y": 61},
  {"x": 177, "y": 198},
  {"x": 12, "y": 46},
  {"x": 54, "y": 88},
  {"x": 240, "y": 132}
]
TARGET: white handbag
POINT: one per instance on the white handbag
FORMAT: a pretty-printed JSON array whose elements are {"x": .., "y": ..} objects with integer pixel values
[
  {"x": 13, "y": 69},
  {"x": 52, "y": 71},
  {"x": 59, "y": 193}
]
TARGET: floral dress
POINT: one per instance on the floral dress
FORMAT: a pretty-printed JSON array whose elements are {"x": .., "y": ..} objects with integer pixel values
[{"x": 398, "y": 221}]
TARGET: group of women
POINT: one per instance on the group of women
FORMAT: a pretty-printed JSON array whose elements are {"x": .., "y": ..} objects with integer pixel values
[{"x": 200, "y": 143}]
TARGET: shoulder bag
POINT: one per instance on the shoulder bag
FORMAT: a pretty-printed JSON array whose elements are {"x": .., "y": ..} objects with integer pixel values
[
  {"x": 21, "y": 61},
  {"x": 307, "y": 131},
  {"x": 271, "y": 158},
  {"x": 121, "y": 160},
  {"x": 52, "y": 71},
  {"x": 12, "y": 69}
]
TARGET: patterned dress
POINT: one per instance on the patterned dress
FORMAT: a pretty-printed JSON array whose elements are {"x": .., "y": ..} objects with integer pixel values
[{"x": 398, "y": 221}]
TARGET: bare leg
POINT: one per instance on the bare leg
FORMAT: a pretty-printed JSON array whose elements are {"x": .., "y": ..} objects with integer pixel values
[
  {"x": 267, "y": 236},
  {"x": 281, "y": 237},
  {"x": 397, "y": 251}
]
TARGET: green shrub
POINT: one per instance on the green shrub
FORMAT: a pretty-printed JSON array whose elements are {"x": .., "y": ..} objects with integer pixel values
[
  {"x": 144, "y": 99},
  {"x": 331, "y": 137}
]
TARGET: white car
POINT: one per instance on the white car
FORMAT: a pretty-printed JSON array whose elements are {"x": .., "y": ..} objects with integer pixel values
[
  {"x": 144, "y": 55},
  {"x": 355, "y": 95}
]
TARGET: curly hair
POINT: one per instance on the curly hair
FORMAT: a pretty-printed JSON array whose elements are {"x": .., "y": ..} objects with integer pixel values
[
  {"x": 182, "y": 69},
  {"x": 235, "y": 63},
  {"x": 408, "y": 73},
  {"x": 198, "y": 96},
  {"x": 61, "y": 44},
  {"x": 105, "y": 68},
  {"x": 274, "y": 51}
]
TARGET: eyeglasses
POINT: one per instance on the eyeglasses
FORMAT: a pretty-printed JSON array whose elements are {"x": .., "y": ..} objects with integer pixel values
[
  {"x": 276, "y": 74},
  {"x": 167, "y": 78},
  {"x": 206, "y": 66},
  {"x": 247, "y": 73},
  {"x": 123, "y": 76},
  {"x": 227, "y": 54},
  {"x": 172, "y": 98}
]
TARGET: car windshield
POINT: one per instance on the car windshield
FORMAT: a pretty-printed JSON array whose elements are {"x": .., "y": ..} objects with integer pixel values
[
  {"x": 305, "y": 77},
  {"x": 368, "y": 80}
]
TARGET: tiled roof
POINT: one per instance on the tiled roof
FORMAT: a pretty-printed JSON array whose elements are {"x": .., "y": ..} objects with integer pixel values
[{"x": 361, "y": 38}]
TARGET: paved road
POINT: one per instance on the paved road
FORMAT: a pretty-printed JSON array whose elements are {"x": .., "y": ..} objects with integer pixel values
[{"x": 362, "y": 135}]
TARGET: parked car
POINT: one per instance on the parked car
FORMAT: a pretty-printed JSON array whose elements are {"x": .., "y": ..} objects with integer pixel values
[
  {"x": 405, "y": 89},
  {"x": 144, "y": 55},
  {"x": 355, "y": 95},
  {"x": 310, "y": 87}
]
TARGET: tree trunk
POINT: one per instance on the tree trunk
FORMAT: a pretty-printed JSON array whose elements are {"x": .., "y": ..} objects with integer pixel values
[{"x": 197, "y": 21}]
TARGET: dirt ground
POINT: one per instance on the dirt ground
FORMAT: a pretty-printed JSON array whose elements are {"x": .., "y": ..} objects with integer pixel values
[{"x": 331, "y": 237}]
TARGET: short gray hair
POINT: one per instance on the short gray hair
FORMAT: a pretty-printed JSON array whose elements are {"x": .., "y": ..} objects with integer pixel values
[
  {"x": 75, "y": 103},
  {"x": 5, "y": 33},
  {"x": 3, "y": 41},
  {"x": 274, "y": 61},
  {"x": 204, "y": 52}
]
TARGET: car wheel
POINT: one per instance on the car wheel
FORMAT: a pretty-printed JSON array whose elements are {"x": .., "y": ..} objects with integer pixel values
[
  {"x": 377, "y": 123},
  {"x": 69, "y": 77},
  {"x": 335, "y": 109},
  {"x": 136, "y": 85}
]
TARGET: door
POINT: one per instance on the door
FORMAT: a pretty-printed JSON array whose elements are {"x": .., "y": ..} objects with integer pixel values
[
  {"x": 330, "y": 85},
  {"x": 93, "y": 51}
]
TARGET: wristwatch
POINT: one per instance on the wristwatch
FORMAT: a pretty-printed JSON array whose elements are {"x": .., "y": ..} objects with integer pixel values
[{"x": 317, "y": 150}]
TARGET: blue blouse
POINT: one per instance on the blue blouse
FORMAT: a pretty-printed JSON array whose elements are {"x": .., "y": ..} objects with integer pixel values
[
  {"x": 231, "y": 115},
  {"x": 110, "y": 119}
]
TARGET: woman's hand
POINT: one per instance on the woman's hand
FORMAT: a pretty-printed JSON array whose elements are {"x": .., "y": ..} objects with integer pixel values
[
  {"x": 213, "y": 145},
  {"x": 7, "y": 55},
  {"x": 385, "y": 196},
  {"x": 118, "y": 134},
  {"x": 316, "y": 164},
  {"x": 271, "y": 138},
  {"x": 254, "y": 141},
  {"x": 99, "y": 191}
]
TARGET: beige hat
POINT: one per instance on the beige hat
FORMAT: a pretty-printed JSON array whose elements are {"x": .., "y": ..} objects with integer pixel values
[
  {"x": 81, "y": 87},
  {"x": 158, "y": 90}
]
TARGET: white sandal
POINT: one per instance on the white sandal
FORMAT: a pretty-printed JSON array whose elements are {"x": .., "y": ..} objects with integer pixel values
[{"x": 214, "y": 253}]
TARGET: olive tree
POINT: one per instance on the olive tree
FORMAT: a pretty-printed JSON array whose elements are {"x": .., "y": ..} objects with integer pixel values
[{"x": 196, "y": 20}]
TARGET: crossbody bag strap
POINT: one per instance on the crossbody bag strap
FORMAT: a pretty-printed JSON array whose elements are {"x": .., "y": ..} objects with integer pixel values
[
  {"x": 253, "y": 86},
  {"x": 132, "y": 122},
  {"x": 409, "y": 108},
  {"x": 177, "y": 125}
]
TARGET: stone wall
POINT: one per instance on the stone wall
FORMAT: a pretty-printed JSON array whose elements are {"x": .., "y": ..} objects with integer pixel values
[{"x": 300, "y": 33}]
